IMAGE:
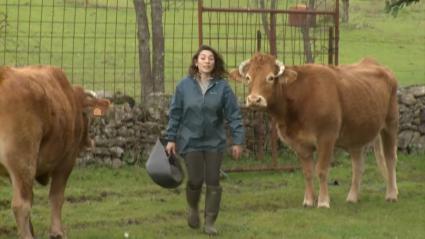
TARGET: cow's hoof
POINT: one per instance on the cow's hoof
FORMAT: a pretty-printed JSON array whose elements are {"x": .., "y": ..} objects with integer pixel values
[
  {"x": 307, "y": 203},
  {"x": 323, "y": 205},
  {"x": 391, "y": 196},
  {"x": 391, "y": 199},
  {"x": 352, "y": 199},
  {"x": 56, "y": 237}
]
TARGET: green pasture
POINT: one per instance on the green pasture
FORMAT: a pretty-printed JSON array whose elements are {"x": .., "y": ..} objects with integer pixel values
[
  {"x": 97, "y": 43},
  {"x": 106, "y": 203},
  {"x": 397, "y": 42}
]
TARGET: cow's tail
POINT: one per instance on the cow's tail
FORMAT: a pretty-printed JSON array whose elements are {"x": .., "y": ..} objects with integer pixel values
[{"x": 380, "y": 157}]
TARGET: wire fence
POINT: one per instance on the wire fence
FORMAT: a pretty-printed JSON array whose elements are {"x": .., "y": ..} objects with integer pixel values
[{"x": 95, "y": 41}]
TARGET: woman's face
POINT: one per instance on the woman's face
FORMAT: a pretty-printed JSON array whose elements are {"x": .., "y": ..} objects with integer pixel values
[{"x": 205, "y": 62}]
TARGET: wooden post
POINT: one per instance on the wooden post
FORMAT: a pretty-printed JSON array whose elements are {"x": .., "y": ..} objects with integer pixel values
[
  {"x": 273, "y": 51},
  {"x": 331, "y": 46},
  {"x": 200, "y": 9},
  {"x": 258, "y": 119}
]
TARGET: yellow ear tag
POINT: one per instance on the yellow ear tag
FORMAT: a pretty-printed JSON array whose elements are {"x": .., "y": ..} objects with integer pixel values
[{"x": 97, "y": 112}]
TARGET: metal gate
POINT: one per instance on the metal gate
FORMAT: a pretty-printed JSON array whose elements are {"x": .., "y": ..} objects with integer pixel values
[{"x": 295, "y": 32}]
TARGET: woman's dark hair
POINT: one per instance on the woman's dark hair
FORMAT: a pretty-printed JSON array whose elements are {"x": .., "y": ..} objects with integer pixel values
[{"x": 219, "y": 70}]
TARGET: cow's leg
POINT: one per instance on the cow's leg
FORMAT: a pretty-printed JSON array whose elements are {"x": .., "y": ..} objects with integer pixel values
[
  {"x": 389, "y": 136},
  {"x": 56, "y": 198},
  {"x": 308, "y": 170},
  {"x": 357, "y": 162},
  {"x": 324, "y": 155},
  {"x": 389, "y": 141},
  {"x": 22, "y": 179},
  {"x": 380, "y": 157},
  {"x": 305, "y": 155}
]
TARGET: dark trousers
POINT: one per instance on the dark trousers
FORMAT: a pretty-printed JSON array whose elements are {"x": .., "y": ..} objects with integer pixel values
[{"x": 203, "y": 166}]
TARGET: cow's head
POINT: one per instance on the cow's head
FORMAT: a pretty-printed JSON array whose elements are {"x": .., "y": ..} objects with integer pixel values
[
  {"x": 90, "y": 106},
  {"x": 265, "y": 76}
]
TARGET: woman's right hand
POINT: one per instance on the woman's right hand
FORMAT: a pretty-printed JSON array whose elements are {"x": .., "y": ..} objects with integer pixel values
[{"x": 171, "y": 148}]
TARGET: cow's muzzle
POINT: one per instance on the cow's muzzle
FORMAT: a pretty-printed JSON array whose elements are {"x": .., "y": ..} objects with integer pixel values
[{"x": 256, "y": 101}]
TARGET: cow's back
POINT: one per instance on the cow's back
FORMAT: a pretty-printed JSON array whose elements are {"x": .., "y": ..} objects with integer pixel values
[
  {"x": 351, "y": 101},
  {"x": 367, "y": 92},
  {"x": 38, "y": 115}
]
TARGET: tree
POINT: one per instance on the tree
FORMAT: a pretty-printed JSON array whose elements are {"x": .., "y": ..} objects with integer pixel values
[
  {"x": 151, "y": 78},
  {"x": 157, "y": 46},
  {"x": 305, "y": 30},
  {"x": 393, "y": 6},
  {"x": 345, "y": 10},
  {"x": 264, "y": 16}
]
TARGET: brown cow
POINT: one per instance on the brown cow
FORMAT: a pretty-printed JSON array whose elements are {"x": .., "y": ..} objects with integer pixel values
[
  {"x": 43, "y": 126},
  {"x": 319, "y": 107}
]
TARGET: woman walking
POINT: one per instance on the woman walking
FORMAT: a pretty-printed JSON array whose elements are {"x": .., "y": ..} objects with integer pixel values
[{"x": 202, "y": 103}]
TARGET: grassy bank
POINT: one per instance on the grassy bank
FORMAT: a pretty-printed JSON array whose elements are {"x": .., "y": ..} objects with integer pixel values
[{"x": 106, "y": 203}]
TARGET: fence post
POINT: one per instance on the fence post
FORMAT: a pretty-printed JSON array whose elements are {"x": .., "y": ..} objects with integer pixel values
[
  {"x": 331, "y": 46},
  {"x": 273, "y": 51},
  {"x": 336, "y": 19},
  {"x": 200, "y": 10},
  {"x": 259, "y": 117}
]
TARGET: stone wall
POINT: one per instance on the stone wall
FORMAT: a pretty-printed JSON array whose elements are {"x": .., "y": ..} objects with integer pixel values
[
  {"x": 412, "y": 119},
  {"x": 127, "y": 133}
]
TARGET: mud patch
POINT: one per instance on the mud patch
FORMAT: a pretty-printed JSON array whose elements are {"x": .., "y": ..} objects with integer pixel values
[
  {"x": 5, "y": 204},
  {"x": 177, "y": 214},
  {"x": 271, "y": 207},
  {"x": 260, "y": 185},
  {"x": 123, "y": 222},
  {"x": 130, "y": 221},
  {"x": 85, "y": 198},
  {"x": 105, "y": 194},
  {"x": 90, "y": 224},
  {"x": 8, "y": 232}
]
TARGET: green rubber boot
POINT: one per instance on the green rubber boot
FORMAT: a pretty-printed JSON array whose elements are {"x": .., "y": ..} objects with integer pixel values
[
  {"x": 192, "y": 196},
  {"x": 212, "y": 206}
]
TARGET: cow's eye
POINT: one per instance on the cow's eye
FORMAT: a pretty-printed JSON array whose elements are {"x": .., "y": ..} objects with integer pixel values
[
  {"x": 247, "y": 79},
  {"x": 270, "y": 79}
]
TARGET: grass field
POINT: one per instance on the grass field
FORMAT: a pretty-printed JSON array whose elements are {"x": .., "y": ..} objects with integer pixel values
[
  {"x": 397, "y": 42},
  {"x": 106, "y": 203}
]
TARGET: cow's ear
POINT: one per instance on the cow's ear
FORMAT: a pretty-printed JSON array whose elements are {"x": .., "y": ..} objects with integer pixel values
[
  {"x": 235, "y": 75},
  {"x": 99, "y": 107},
  {"x": 89, "y": 103},
  {"x": 288, "y": 77}
]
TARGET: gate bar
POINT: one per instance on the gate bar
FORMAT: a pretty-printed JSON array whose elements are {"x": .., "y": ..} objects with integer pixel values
[
  {"x": 336, "y": 19},
  {"x": 200, "y": 10},
  {"x": 273, "y": 168},
  {"x": 263, "y": 10},
  {"x": 331, "y": 46}
]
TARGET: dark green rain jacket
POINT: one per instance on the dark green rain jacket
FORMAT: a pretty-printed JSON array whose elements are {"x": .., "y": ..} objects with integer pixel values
[{"x": 196, "y": 121}]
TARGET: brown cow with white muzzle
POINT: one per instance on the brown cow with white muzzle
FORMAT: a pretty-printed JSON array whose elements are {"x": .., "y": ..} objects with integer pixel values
[
  {"x": 319, "y": 107},
  {"x": 44, "y": 124}
]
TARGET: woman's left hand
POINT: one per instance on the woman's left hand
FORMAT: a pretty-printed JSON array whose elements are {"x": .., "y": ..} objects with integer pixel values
[{"x": 236, "y": 151}]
